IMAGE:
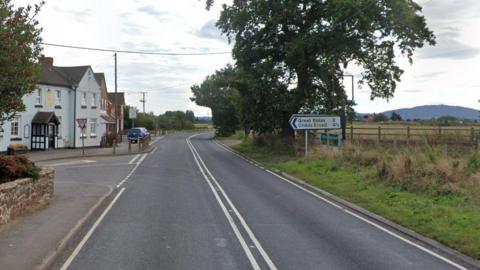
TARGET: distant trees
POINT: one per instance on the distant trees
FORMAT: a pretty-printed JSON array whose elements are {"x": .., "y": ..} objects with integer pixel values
[
  {"x": 20, "y": 48},
  {"x": 177, "y": 120},
  {"x": 381, "y": 117},
  {"x": 290, "y": 57},
  {"x": 395, "y": 117}
]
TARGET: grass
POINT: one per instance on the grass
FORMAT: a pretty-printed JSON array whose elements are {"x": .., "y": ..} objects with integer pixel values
[{"x": 451, "y": 218}]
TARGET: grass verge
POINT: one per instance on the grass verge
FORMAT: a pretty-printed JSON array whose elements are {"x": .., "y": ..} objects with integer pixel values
[{"x": 452, "y": 218}]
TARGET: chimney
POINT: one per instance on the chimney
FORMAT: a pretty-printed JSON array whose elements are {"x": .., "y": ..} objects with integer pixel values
[{"x": 48, "y": 61}]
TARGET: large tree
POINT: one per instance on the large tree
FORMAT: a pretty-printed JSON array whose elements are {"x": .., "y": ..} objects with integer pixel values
[
  {"x": 305, "y": 45},
  {"x": 20, "y": 47},
  {"x": 218, "y": 93}
]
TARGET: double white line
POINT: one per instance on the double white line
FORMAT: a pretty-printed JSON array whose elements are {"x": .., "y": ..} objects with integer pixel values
[{"x": 219, "y": 193}]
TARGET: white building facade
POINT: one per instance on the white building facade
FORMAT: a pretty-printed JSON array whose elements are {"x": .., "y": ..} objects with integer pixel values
[{"x": 49, "y": 120}]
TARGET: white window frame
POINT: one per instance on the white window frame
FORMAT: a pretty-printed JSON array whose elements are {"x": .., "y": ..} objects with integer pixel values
[
  {"x": 84, "y": 98},
  {"x": 38, "y": 97},
  {"x": 94, "y": 99},
  {"x": 15, "y": 125},
  {"x": 58, "y": 97},
  {"x": 93, "y": 127}
]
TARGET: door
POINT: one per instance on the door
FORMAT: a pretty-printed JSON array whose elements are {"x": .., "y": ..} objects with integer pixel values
[{"x": 51, "y": 136}]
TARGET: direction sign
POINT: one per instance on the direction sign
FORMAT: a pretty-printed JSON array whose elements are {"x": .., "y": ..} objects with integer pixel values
[
  {"x": 82, "y": 122},
  {"x": 309, "y": 122},
  {"x": 132, "y": 113}
]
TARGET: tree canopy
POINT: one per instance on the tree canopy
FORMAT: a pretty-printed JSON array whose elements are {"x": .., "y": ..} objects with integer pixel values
[
  {"x": 20, "y": 48},
  {"x": 293, "y": 53}
]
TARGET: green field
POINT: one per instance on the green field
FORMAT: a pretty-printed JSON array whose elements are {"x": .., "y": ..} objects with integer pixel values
[{"x": 452, "y": 218}]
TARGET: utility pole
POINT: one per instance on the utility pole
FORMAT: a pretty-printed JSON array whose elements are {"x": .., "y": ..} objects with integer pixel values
[
  {"x": 116, "y": 102},
  {"x": 143, "y": 100},
  {"x": 116, "y": 107}
]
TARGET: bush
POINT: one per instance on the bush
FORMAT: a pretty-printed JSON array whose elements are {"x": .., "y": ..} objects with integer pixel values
[
  {"x": 473, "y": 163},
  {"x": 15, "y": 167}
]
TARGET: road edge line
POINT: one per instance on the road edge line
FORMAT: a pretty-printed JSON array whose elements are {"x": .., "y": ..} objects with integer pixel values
[{"x": 427, "y": 243}]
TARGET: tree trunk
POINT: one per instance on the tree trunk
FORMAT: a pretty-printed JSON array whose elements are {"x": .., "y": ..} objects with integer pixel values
[{"x": 287, "y": 130}]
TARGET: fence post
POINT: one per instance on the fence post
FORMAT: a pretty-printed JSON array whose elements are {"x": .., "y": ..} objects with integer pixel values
[
  {"x": 408, "y": 135},
  {"x": 351, "y": 133},
  {"x": 379, "y": 138},
  {"x": 472, "y": 134}
]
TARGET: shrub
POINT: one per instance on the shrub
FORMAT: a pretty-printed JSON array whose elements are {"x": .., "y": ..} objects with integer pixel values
[
  {"x": 15, "y": 167},
  {"x": 473, "y": 163},
  {"x": 18, "y": 146}
]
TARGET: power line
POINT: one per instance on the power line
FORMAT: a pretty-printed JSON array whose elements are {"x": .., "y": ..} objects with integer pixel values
[{"x": 132, "y": 51}]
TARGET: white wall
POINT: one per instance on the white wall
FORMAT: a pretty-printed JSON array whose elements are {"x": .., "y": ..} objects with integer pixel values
[
  {"x": 88, "y": 85},
  {"x": 48, "y": 104}
]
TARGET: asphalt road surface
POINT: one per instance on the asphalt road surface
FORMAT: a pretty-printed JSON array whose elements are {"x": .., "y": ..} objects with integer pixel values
[{"x": 192, "y": 204}]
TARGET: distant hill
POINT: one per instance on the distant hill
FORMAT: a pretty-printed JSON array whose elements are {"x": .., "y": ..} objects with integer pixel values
[{"x": 435, "y": 111}]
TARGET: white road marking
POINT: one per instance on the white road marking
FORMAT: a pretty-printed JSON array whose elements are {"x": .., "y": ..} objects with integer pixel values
[
  {"x": 134, "y": 158},
  {"x": 90, "y": 232},
  {"x": 353, "y": 214},
  {"x": 237, "y": 233},
  {"x": 71, "y": 162},
  {"x": 132, "y": 171},
  {"x": 154, "y": 149},
  {"x": 252, "y": 236}
]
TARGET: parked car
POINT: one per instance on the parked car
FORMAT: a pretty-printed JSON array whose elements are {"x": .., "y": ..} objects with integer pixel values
[{"x": 134, "y": 134}]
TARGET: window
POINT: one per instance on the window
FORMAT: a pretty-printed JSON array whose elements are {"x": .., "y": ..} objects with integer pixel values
[
  {"x": 84, "y": 99},
  {"x": 14, "y": 126},
  {"x": 59, "y": 131},
  {"x": 93, "y": 127},
  {"x": 58, "y": 97},
  {"x": 38, "y": 97},
  {"x": 94, "y": 100}
]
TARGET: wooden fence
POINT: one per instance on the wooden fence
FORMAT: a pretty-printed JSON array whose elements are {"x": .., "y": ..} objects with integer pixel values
[{"x": 469, "y": 136}]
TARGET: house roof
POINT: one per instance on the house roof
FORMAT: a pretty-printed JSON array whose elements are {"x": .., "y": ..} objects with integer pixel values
[
  {"x": 61, "y": 76},
  {"x": 121, "y": 98},
  {"x": 48, "y": 75},
  {"x": 73, "y": 74},
  {"x": 45, "y": 118},
  {"x": 100, "y": 77}
]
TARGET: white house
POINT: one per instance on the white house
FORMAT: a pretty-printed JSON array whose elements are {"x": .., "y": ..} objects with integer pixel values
[{"x": 63, "y": 95}]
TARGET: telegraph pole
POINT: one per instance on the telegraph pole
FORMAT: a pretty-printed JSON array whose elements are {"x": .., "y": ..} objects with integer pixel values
[
  {"x": 143, "y": 100},
  {"x": 116, "y": 102}
]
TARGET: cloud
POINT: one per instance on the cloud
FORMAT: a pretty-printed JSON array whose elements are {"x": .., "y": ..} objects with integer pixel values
[
  {"x": 80, "y": 15},
  {"x": 452, "y": 9},
  {"x": 449, "y": 47},
  {"x": 154, "y": 12},
  {"x": 210, "y": 31}
]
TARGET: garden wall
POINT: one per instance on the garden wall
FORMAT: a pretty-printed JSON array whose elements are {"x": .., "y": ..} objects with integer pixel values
[{"x": 25, "y": 195}]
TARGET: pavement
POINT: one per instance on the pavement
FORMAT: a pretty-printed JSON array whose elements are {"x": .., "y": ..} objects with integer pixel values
[
  {"x": 79, "y": 185},
  {"x": 192, "y": 204},
  {"x": 56, "y": 154}
]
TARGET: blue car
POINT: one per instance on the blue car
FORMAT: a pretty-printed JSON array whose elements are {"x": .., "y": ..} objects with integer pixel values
[{"x": 135, "y": 134}]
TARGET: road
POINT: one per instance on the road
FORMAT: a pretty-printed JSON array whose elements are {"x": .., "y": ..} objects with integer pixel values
[{"x": 192, "y": 204}]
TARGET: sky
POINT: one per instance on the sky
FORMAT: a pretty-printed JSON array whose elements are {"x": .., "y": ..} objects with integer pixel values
[{"x": 444, "y": 74}]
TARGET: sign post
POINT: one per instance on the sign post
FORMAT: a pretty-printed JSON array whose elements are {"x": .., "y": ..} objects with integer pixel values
[
  {"x": 82, "y": 124},
  {"x": 132, "y": 114},
  {"x": 308, "y": 122}
]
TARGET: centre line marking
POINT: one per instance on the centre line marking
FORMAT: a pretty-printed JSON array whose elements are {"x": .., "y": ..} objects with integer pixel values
[
  {"x": 244, "y": 224},
  {"x": 70, "y": 259}
]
